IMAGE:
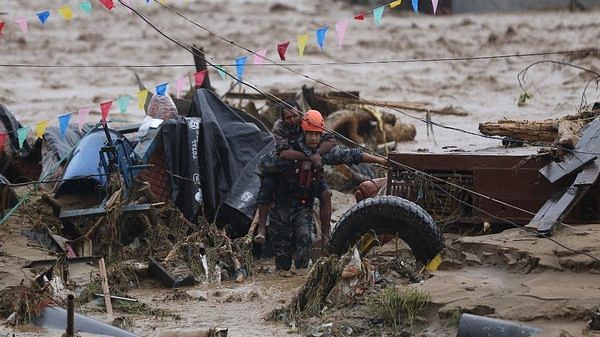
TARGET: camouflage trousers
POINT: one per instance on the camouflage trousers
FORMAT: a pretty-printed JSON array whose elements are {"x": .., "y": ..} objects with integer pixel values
[{"x": 290, "y": 232}]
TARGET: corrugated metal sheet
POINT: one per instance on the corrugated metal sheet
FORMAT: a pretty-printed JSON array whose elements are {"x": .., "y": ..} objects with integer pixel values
[{"x": 479, "y": 6}]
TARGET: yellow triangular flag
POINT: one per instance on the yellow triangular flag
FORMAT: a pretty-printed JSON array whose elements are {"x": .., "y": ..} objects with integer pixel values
[
  {"x": 40, "y": 128},
  {"x": 434, "y": 263},
  {"x": 302, "y": 40},
  {"x": 163, "y": 2},
  {"x": 395, "y": 3},
  {"x": 142, "y": 98},
  {"x": 66, "y": 12}
]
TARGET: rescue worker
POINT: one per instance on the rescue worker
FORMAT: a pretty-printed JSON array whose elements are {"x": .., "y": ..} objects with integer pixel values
[
  {"x": 298, "y": 185},
  {"x": 286, "y": 133}
]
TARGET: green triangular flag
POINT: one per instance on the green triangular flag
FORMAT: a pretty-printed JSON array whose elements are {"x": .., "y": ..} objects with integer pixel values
[
  {"x": 86, "y": 6},
  {"x": 22, "y": 135}
]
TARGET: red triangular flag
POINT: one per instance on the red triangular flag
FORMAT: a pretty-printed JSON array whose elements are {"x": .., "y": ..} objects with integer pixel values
[
  {"x": 108, "y": 4},
  {"x": 282, "y": 48},
  {"x": 1, "y": 27},
  {"x": 104, "y": 108},
  {"x": 199, "y": 77},
  {"x": 2, "y": 138},
  {"x": 360, "y": 17}
]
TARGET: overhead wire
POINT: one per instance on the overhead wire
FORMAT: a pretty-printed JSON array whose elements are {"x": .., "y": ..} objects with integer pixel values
[{"x": 282, "y": 103}]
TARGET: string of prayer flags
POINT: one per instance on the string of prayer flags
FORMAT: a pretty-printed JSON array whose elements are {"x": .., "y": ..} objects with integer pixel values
[
  {"x": 22, "y": 22},
  {"x": 86, "y": 7},
  {"x": 360, "y": 17},
  {"x": 282, "y": 48},
  {"x": 378, "y": 15},
  {"x": 104, "y": 109},
  {"x": 142, "y": 95},
  {"x": 63, "y": 122},
  {"x": 40, "y": 128},
  {"x": 415, "y": 6},
  {"x": 395, "y": 3},
  {"x": 43, "y": 16},
  {"x": 2, "y": 140},
  {"x": 199, "y": 78},
  {"x": 302, "y": 40},
  {"x": 179, "y": 86},
  {"x": 340, "y": 31},
  {"x": 66, "y": 12},
  {"x": 240, "y": 65},
  {"x": 22, "y": 135},
  {"x": 108, "y": 4},
  {"x": 83, "y": 117},
  {"x": 434, "y": 4},
  {"x": 161, "y": 89},
  {"x": 122, "y": 103},
  {"x": 259, "y": 57},
  {"x": 321, "y": 34},
  {"x": 221, "y": 72}
]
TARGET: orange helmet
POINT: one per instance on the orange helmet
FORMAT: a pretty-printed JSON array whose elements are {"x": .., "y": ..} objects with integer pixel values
[{"x": 313, "y": 121}]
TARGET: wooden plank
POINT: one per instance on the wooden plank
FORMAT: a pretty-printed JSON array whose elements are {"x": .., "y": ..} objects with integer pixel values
[
  {"x": 589, "y": 175},
  {"x": 559, "y": 209},
  {"x": 83, "y": 259},
  {"x": 73, "y": 213},
  {"x": 105, "y": 288},
  {"x": 555, "y": 171}
]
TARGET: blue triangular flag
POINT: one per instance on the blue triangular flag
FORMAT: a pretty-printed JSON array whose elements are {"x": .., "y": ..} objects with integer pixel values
[
  {"x": 378, "y": 14},
  {"x": 321, "y": 33},
  {"x": 161, "y": 89},
  {"x": 240, "y": 64},
  {"x": 22, "y": 135},
  {"x": 415, "y": 4},
  {"x": 123, "y": 102},
  {"x": 63, "y": 122},
  {"x": 43, "y": 16},
  {"x": 86, "y": 6}
]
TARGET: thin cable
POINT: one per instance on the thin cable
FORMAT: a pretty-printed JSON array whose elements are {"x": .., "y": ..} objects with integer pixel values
[
  {"x": 382, "y": 105},
  {"x": 328, "y": 63},
  {"x": 340, "y": 136}
]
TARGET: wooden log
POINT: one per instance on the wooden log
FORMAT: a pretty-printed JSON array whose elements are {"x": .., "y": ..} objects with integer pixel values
[
  {"x": 568, "y": 133},
  {"x": 528, "y": 131}
]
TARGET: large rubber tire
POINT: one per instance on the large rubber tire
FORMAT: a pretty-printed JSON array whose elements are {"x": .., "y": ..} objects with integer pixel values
[{"x": 388, "y": 215}]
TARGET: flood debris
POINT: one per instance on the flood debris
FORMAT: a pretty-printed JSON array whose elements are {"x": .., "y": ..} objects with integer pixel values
[
  {"x": 56, "y": 318},
  {"x": 473, "y": 325}
]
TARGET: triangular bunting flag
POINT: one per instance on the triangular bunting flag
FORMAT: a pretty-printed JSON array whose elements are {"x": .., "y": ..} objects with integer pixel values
[
  {"x": 123, "y": 102},
  {"x": 162, "y": 2},
  {"x": 415, "y": 5},
  {"x": 302, "y": 40},
  {"x": 282, "y": 48},
  {"x": 1, "y": 27},
  {"x": 43, "y": 16},
  {"x": 142, "y": 95},
  {"x": 199, "y": 78},
  {"x": 240, "y": 65},
  {"x": 22, "y": 22},
  {"x": 434, "y": 263},
  {"x": 259, "y": 58},
  {"x": 83, "y": 117},
  {"x": 179, "y": 86},
  {"x": 108, "y": 4},
  {"x": 360, "y": 17},
  {"x": 2, "y": 139},
  {"x": 40, "y": 128},
  {"x": 22, "y": 135},
  {"x": 66, "y": 12},
  {"x": 63, "y": 123},
  {"x": 221, "y": 72},
  {"x": 104, "y": 109},
  {"x": 321, "y": 34},
  {"x": 395, "y": 3},
  {"x": 128, "y": 3},
  {"x": 340, "y": 31},
  {"x": 378, "y": 15},
  {"x": 434, "y": 4},
  {"x": 161, "y": 89},
  {"x": 86, "y": 7}
]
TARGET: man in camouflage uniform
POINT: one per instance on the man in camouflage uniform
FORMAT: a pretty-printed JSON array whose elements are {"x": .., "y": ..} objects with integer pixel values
[
  {"x": 298, "y": 185},
  {"x": 286, "y": 133}
]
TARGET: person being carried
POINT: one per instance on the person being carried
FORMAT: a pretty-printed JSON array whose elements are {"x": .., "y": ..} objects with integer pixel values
[
  {"x": 286, "y": 134},
  {"x": 298, "y": 185}
]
